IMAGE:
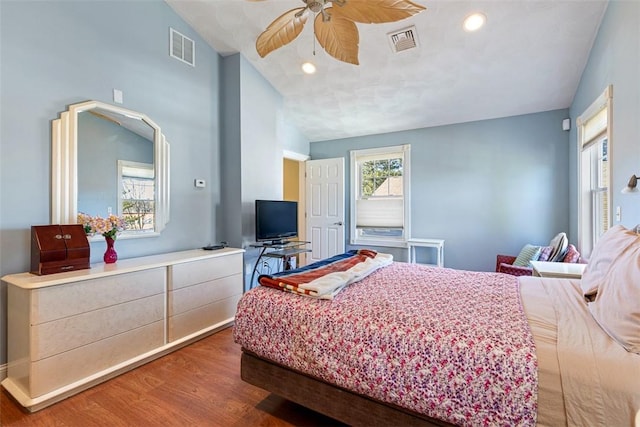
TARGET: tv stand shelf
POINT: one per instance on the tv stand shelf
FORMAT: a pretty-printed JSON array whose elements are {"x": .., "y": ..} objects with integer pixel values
[
  {"x": 282, "y": 250},
  {"x": 285, "y": 252}
]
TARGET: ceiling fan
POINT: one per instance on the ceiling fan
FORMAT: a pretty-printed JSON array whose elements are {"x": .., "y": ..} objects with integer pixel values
[{"x": 334, "y": 24}]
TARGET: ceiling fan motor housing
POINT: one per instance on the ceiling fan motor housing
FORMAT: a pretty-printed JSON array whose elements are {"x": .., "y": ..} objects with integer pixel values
[{"x": 315, "y": 5}]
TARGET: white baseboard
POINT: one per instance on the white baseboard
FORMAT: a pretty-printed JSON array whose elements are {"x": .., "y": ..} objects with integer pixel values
[{"x": 3, "y": 371}]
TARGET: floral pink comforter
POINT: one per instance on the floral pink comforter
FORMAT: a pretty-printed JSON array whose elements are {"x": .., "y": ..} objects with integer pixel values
[{"x": 454, "y": 345}]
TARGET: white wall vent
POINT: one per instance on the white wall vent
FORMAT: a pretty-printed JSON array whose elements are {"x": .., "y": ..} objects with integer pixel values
[
  {"x": 182, "y": 47},
  {"x": 404, "y": 39}
]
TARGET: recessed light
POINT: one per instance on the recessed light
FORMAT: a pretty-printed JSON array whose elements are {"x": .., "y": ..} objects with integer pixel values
[
  {"x": 474, "y": 22},
  {"x": 308, "y": 68}
]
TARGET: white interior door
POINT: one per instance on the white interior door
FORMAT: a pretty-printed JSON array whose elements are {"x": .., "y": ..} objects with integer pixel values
[{"x": 325, "y": 207}]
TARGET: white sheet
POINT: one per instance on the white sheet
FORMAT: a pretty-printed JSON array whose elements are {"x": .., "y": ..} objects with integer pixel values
[{"x": 585, "y": 378}]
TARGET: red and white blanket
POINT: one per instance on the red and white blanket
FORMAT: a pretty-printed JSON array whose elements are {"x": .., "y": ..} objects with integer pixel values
[
  {"x": 324, "y": 279},
  {"x": 454, "y": 345}
]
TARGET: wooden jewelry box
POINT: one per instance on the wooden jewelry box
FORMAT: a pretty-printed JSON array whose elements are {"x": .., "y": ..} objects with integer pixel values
[{"x": 58, "y": 248}]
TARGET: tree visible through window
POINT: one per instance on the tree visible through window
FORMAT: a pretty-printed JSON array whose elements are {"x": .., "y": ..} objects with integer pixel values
[
  {"x": 380, "y": 183},
  {"x": 382, "y": 178},
  {"x": 137, "y": 191}
]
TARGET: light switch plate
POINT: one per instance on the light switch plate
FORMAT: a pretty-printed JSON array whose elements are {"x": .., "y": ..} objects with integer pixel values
[{"x": 117, "y": 96}]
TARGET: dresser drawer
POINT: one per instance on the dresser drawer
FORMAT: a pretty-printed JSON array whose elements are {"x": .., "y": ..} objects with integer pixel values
[
  {"x": 191, "y": 273},
  {"x": 57, "y": 302},
  {"x": 202, "y": 317},
  {"x": 191, "y": 297},
  {"x": 58, "y": 336},
  {"x": 65, "y": 368}
]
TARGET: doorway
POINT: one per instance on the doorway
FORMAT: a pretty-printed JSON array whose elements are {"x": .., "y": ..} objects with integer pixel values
[{"x": 294, "y": 190}]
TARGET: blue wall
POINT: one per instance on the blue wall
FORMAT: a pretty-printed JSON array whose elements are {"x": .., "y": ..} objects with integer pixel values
[
  {"x": 486, "y": 187},
  {"x": 614, "y": 60},
  {"x": 256, "y": 133},
  {"x": 56, "y": 53}
]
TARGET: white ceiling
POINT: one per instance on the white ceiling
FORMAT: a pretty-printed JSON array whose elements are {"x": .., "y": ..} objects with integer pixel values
[{"x": 528, "y": 58}]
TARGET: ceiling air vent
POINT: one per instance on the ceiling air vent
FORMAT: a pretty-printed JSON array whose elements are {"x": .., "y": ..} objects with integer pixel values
[
  {"x": 182, "y": 47},
  {"x": 402, "y": 40}
]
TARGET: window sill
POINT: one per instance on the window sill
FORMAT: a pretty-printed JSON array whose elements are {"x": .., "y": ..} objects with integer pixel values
[{"x": 379, "y": 242}]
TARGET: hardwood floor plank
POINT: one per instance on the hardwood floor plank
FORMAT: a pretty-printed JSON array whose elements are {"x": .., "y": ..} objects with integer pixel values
[{"x": 198, "y": 385}]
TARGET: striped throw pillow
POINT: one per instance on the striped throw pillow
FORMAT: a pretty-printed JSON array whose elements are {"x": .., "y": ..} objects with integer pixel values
[{"x": 527, "y": 254}]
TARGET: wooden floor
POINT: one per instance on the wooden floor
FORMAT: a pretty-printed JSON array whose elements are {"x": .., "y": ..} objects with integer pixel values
[{"x": 198, "y": 385}]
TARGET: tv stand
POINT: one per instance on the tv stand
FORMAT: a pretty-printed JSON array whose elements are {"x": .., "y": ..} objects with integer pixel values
[
  {"x": 282, "y": 249},
  {"x": 273, "y": 243}
]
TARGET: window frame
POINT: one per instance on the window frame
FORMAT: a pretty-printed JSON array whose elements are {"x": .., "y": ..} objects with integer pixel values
[
  {"x": 356, "y": 156},
  {"x": 588, "y": 162}
]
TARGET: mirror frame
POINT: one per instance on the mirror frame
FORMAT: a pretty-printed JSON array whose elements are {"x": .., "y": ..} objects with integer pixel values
[{"x": 64, "y": 166}]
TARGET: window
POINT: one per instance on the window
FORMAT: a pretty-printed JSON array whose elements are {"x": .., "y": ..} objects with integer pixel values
[
  {"x": 380, "y": 196},
  {"x": 136, "y": 195},
  {"x": 594, "y": 148}
]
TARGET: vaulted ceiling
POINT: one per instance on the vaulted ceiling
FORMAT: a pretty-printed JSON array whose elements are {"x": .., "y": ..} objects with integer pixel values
[{"x": 528, "y": 58}]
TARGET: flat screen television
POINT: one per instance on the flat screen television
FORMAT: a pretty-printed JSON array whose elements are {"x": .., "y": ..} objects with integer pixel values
[{"x": 276, "y": 220}]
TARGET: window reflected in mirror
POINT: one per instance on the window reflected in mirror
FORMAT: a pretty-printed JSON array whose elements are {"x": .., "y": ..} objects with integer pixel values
[{"x": 136, "y": 190}]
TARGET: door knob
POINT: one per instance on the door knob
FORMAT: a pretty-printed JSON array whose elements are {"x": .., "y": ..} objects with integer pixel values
[{"x": 337, "y": 223}]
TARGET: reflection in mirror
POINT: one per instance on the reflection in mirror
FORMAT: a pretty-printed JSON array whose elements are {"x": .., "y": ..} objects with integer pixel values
[
  {"x": 115, "y": 168},
  {"x": 116, "y": 162},
  {"x": 136, "y": 195}
]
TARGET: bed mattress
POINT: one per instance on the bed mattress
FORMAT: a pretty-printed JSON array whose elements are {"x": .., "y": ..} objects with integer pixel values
[
  {"x": 449, "y": 344},
  {"x": 585, "y": 377},
  {"x": 469, "y": 348}
]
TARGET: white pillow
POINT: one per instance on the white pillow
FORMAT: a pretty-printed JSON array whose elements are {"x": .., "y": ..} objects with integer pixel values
[
  {"x": 617, "y": 304},
  {"x": 609, "y": 247},
  {"x": 559, "y": 246}
]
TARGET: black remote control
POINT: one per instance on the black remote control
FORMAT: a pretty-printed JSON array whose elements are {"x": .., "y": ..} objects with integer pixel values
[{"x": 212, "y": 247}]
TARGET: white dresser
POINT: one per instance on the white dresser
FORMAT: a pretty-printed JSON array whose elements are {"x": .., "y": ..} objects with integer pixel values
[{"x": 70, "y": 331}]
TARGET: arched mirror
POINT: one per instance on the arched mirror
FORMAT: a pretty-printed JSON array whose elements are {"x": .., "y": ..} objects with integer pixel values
[{"x": 107, "y": 159}]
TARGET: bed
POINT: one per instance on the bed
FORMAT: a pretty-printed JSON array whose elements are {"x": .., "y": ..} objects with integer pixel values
[{"x": 409, "y": 344}]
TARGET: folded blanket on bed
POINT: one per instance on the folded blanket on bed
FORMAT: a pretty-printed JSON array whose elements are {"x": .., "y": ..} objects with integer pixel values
[{"x": 325, "y": 279}]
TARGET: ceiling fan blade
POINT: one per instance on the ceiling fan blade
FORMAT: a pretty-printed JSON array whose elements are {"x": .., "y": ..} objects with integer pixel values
[
  {"x": 339, "y": 37},
  {"x": 377, "y": 11},
  {"x": 281, "y": 31}
]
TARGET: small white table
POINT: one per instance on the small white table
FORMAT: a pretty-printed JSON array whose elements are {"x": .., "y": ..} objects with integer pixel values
[
  {"x": 562, "y": 270},
  {"x": 437, "y": 244}
]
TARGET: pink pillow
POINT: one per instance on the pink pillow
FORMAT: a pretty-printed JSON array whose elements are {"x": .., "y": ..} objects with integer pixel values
[
  {"x": 572, "y": 255},
  {"x": 616, "y": 307},
  {"x": 609, "y": 247}
]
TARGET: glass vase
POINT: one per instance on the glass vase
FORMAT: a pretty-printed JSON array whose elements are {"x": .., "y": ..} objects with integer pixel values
[{"x": 110, "y": 255}]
